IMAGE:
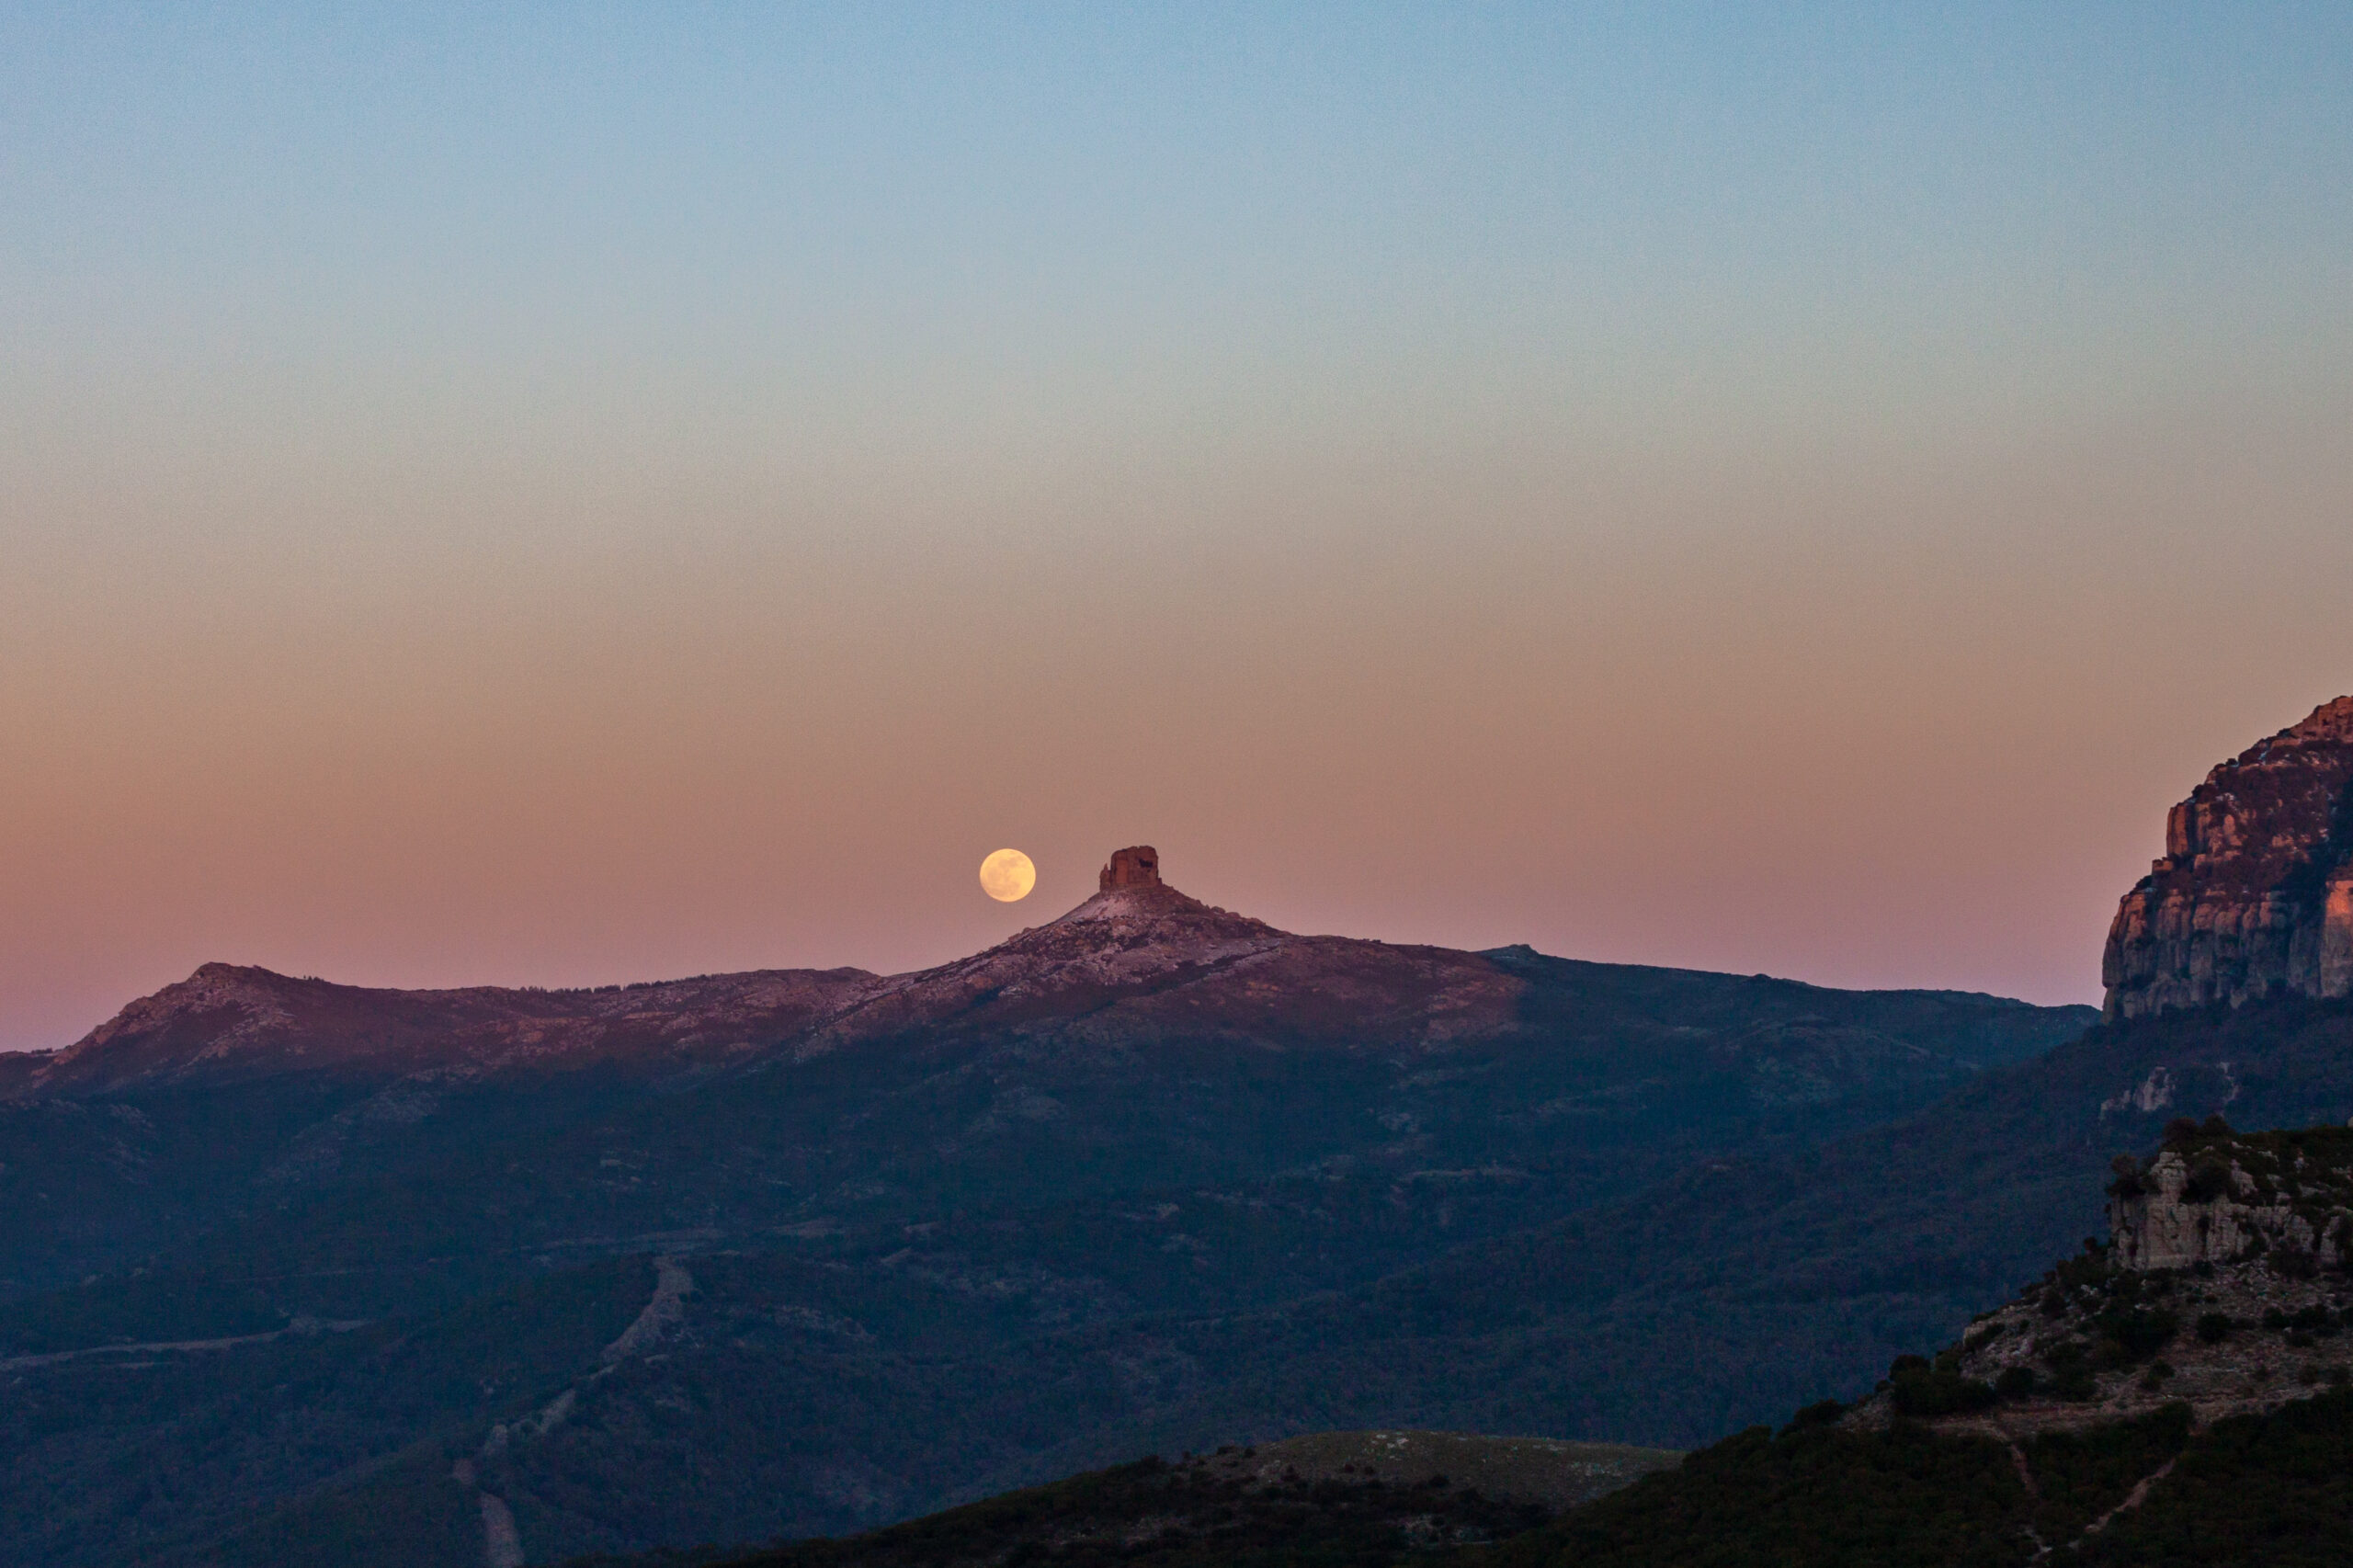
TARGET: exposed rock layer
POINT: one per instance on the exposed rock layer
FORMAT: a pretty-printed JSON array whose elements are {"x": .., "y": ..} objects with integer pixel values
[
  {"x": 1137, "y": 866},
  {"x": 2221, "y": 1198},
  {"x": 2254, "y": 894}
]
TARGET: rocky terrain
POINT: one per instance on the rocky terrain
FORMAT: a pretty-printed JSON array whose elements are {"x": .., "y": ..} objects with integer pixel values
[
  {"x": 1553, "y": 1474},
  {"x": 2254, "y": 896},
  {"x": 2223, "y": 1287}
]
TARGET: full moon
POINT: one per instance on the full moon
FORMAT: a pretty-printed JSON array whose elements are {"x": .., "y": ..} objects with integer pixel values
[{"x": 1008, "y": 875}]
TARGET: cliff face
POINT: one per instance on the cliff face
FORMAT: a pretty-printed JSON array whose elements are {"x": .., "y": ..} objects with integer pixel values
[{"x": 2254, "y": 894}]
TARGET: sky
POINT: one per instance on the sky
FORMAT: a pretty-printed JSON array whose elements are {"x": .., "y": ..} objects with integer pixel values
[{"x": 568, "y": 494}]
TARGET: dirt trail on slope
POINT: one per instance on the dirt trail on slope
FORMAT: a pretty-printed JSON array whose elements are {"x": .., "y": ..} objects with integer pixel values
[
  {"x": 671, "y": 1286},
  {"x": 2133, "y": 1499},
  {"x": 502, "y": 1543},
  {"x": 341, "y": 1326}
]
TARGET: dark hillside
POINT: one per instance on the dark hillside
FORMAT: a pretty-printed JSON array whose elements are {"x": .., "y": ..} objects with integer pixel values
[
  {"x": 1341, "y": 1498},
  {"x": 1014, "y": 1210},
  {"x": 1744, "y": 1286}
]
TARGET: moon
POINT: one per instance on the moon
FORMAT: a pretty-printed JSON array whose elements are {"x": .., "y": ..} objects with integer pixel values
[{"x": 1008, "y": 875}]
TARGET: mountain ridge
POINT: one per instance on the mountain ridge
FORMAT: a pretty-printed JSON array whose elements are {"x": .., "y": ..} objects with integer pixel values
[{"x": 1142, "y": 960}]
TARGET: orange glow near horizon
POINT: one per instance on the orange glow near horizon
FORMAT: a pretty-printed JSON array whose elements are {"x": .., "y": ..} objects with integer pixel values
[{"x": 1874, "y": 723}]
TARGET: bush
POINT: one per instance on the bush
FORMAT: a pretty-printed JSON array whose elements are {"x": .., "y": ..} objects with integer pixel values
[
  {"x": 2213, "y": 1327},
  {"x": 2016, "y": 1382},
  {"x": 1822, "y": 1413},
  {"x": 1923, "y": 1392},
  {"x": 2141, "y": 1332},
  {"x": 2210, "y": 1179},
  {"x": 2294, "y": 1262}
]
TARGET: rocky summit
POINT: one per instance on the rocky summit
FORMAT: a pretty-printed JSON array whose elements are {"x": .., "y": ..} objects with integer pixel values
[{"x": 2254, "y": 896}]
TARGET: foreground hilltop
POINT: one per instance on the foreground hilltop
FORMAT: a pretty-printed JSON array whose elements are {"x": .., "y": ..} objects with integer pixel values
[
  {"x": 2224, "y": 1287},
  {"x": 1340, "y": 1498}
]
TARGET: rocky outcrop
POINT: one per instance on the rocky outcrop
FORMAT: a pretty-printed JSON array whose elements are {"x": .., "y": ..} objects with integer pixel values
[
  {"x": 2220, "y": 1199},
  {"x": 2254, "y": 894},
  {"x": 1135, "y": 867}
]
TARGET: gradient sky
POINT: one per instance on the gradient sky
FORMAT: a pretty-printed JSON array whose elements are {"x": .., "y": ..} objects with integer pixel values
[{"x": 596, "y": 493}]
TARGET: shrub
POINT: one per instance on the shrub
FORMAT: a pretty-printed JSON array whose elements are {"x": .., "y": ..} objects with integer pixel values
[
  {"x": 2016, "y": 1382},
  {"x": 2293, "y": 1263},
  {"x": 2140, "y": 1331},
  {"x": 2213, "y": 1327},
  {"x": 2210, "y": 1179},
  {"x": 1821, "y": 1414},
  {"x": 1924, "y": 1392}
]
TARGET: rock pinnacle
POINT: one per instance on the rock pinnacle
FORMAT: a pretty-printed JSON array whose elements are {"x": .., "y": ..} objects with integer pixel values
[{"x": 1136, "y": 867}]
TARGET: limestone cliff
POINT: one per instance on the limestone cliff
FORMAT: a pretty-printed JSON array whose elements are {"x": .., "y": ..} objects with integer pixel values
[{"x": 2254, "y": 894}]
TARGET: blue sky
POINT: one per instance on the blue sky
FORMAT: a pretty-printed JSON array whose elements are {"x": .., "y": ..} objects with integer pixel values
[{"x": 1180, "y": 209}]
